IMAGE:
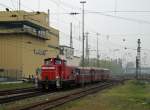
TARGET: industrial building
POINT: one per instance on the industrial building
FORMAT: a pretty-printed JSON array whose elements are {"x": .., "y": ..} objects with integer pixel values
[{"x": 25, "y": 40}]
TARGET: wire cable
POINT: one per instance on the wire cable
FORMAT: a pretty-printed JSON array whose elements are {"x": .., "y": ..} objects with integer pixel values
[{"x": 120, "y": 17}]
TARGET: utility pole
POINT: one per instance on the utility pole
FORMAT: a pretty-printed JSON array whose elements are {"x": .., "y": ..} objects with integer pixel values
[
  {"x": 79, "y": 31},
  {"x": 83, "y": 2},
  {"x": 136, "y": 76},
  {"x": 87, "y": 49},
  {"x": 19, "y": 5},
  {"x": 71, "y": 42},
  {"x": 97, "y": 50},
  {"x": 138, "y": 59}
]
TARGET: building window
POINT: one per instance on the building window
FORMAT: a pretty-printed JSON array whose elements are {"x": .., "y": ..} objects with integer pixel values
[{"x": 34, "y": 31}]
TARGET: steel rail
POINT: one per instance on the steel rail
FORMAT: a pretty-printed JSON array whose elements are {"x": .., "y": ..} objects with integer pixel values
[
  {"x": 22, "y": 96},
  {"x": 16, "y": 91},
  {"x": 44, "y": 105}
]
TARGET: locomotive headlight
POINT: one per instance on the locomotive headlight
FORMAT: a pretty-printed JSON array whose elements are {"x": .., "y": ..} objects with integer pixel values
[{"x": 57, "y": 77}]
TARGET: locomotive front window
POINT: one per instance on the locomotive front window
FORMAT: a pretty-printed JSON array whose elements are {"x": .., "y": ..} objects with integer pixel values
[
  {"x": 57, "y": 61},
  {"x": 47, "y": 62}
]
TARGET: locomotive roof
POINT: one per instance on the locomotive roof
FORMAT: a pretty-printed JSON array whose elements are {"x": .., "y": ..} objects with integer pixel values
[{"x": 92, "y": 68}]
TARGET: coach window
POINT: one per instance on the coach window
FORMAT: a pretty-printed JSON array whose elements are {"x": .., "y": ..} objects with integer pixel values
[
  {"x": 77, "y": 71},
  {"x": 65, "y": 62},
  {"x": 57, "y": 61}
]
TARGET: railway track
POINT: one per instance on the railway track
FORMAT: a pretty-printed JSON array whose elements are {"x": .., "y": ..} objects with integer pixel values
[
  {"x": 16, "y": 91},
  {"x": 51, "y": 103},
  {"x": 21, "y": 95}
]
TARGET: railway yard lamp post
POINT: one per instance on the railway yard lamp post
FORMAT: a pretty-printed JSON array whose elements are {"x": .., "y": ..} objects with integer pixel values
[{"x": 82, "y": 2}]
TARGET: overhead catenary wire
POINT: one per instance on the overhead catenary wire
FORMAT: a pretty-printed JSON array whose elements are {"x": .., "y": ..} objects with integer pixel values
[
  {"x": 5, "y": 6},
  {"x": 94, "y": 12},
  {"x": 18, "y": 12},
  {"x": 65, "y": 4},
  {"x": 117, "y": 11},
  {"x": 101, "y": 12},
  {"x": 12, "y": 8},
  {"x": 13, "y": 4},
  {"x": 104, "y": 13},
  {"x": 59, "y": 6},
  {"x": 120, "y": 17}
]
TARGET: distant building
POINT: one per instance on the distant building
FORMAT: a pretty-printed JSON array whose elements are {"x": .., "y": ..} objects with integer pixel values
[
  {"x": 25, "y": 40},
  {"x": 76, "y": 61},
  {"x": 67, "y": 53},
  {"x": 144, "y": 70}
]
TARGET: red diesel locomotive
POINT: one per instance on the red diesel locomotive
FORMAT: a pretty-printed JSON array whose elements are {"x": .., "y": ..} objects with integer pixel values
[{"x": 55, "y": 73}]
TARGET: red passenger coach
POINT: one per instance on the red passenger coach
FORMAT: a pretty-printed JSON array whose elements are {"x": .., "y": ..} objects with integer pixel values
[
  {"x": 55, "y": 74},
  {"x": 90, "y": 75}
]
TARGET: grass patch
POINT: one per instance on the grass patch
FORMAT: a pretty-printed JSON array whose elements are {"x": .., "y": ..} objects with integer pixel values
[
  {"x": 15, "y": 86},
  {"x": 133, "y": 95}
]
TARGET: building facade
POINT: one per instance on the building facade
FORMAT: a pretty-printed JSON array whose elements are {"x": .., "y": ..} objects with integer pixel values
[{"x": 25, "y": 41}]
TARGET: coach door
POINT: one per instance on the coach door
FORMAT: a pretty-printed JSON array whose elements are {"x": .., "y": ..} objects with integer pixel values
[
  {"x": 77, "y": 75},
  {"x": 92, "y": 72}
]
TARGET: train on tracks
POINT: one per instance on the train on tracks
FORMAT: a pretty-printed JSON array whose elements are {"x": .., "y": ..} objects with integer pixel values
[{"x": 55, "y": 73}]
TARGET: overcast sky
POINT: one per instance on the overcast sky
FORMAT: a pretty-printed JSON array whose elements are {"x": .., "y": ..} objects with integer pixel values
[{"x": 115, "y": 20}]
